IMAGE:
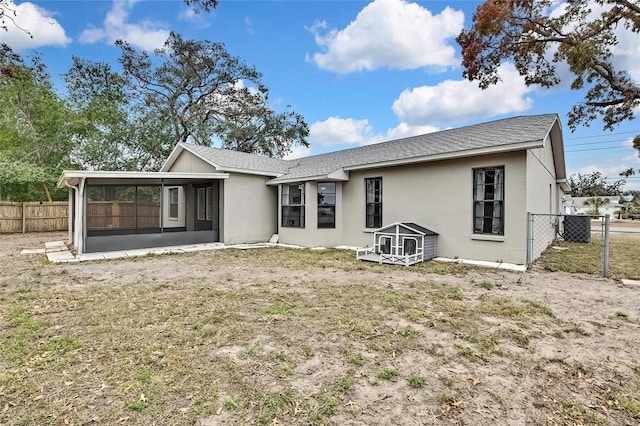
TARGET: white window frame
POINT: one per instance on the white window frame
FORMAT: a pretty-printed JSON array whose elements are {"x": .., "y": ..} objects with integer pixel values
[{"x": 174, "y": 203}]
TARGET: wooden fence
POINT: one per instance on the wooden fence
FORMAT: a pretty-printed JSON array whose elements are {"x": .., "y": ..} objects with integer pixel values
[{"x": 33, "y": 217}]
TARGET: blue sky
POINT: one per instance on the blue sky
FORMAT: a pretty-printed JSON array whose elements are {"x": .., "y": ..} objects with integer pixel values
[{"x": 360, "y": 72}]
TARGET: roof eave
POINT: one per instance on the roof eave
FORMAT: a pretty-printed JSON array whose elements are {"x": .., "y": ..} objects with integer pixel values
[
  {"x": 450, "y": 155},
  {"x": 337, "y": 175}
]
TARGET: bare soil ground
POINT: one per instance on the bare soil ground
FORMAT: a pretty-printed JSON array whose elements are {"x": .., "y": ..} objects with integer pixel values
[{"x": 281, "y": 336}]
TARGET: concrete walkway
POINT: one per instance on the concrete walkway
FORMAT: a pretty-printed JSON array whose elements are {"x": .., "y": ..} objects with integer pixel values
[{"x": 58, "y": 252}]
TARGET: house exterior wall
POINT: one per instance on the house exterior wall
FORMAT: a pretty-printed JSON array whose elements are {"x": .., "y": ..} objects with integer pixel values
[
  {"x": 249, "y": 209},
  {"x": 543, "y": 194},
  {"x": 311, "y": 235},
  {"x": 189, "y": 163},
  {"x": 439, "y": 196}
]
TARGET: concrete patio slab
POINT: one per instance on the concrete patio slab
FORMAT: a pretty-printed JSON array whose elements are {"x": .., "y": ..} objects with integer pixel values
[{"x": 32, "y": 251}]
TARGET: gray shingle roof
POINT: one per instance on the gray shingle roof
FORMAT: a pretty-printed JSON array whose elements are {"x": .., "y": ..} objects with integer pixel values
[
  {"x": 498, "y": 134},
  {"x": 226, "y": 158}
]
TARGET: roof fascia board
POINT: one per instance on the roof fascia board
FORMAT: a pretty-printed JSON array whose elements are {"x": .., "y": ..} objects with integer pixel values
[
  {"x": 73, "y": 177},
  {"x": 247, "y": 171},
  {"x": 299, "y": 179},
  {"x": 449, "y": 155},
  {"x": 557, "y": 147}
]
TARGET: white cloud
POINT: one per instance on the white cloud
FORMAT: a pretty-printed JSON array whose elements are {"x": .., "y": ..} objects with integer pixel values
[
  {"x": 453, "y": 101},
  {"x": 146, "y": 35},
  {"x": 389, "y": 33},
  {"x": 298, "y": 152},
  {"x": 336, "y": 131},
  {"x": 44, "y": 28}
]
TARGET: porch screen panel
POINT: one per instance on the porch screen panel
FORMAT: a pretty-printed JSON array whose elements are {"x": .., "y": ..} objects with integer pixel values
[
  {"x": 111, "y": 207},
  {"x": 148, "y": 207}
]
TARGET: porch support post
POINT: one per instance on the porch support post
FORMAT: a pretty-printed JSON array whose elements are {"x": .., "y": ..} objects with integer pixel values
[
  {"x": 70, "y": 215},
  {"x": 161, "y": 205}
]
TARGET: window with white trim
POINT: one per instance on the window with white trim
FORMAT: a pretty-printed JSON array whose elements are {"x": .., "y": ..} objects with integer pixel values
[
  {"x": 293, "y": 205},
  {"x": 326, "y": 204},
  {"x": 173, "y": 203},
  {"x": 488, "y": 200},
  {"x": 373, "y": 188}
]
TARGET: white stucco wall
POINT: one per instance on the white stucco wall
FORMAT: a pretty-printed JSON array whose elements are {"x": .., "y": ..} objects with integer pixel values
[{"x": 249, "y": 209}]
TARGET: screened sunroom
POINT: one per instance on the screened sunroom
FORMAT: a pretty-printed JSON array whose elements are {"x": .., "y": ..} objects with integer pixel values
[{"x": 130, "y": 210}]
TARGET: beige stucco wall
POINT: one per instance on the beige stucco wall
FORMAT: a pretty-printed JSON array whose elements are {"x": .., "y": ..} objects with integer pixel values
[
  {"x": 249, "y": 209},
  {"x": 544, "y": 195},
  {"x": 189, "y": 163},
  {"x": 439, "y": 196},
  {"x": 311, "y": 235}
]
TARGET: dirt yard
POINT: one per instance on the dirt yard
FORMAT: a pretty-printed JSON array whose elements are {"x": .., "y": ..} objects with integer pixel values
[{"x": 282, "y": 336}]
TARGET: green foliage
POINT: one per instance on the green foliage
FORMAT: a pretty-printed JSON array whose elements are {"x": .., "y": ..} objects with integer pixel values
[
  {"x": 197, "y": 92},
  {"x": 593, "y": 185},
  {"x": 595, "y": 203},
  {"x": 33, "y": 129},
  {"x": 579, "y": 35}
]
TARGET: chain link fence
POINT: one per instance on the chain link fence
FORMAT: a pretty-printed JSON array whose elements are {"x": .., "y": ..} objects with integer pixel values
[{"x": 592, "y": 232}]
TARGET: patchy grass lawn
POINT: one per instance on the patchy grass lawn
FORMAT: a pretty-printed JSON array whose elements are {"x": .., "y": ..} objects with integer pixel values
[
  {"x": 310, "y": 337},
  {"x": 624, "y": 256}
]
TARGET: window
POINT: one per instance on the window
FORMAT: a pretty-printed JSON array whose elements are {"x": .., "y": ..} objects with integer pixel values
[
  {"x": 374, "y": 202},
  {"x": 326, "y": 204},
  {"x": 173, "y": 203},
  {"x": 293, "y": 205},
  {"x": 488, "y": 200}
]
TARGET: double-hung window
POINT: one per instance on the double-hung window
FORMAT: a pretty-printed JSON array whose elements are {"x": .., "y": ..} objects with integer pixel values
[
  {"x": 373, "y": 188},
  {"x": 293, "y": 205},
  {"x": 173, "y": 203},
  {"x": 488, "y": 200},
  {"x": 326, "y": 204}
]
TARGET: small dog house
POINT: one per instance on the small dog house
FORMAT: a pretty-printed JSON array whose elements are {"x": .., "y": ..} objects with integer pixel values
[{"x": 400, "y": 244}]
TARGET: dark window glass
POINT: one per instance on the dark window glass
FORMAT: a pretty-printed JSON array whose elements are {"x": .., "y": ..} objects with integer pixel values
[
  {"x": 326, "y": 205},
  {"x": 293, "y": 205},
  {"x": 373, "y": 187},
  {"x": 488, "y": 200}
]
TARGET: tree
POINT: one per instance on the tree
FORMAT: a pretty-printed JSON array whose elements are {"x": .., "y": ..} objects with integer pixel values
[
  {"x": 581, "y": 34},
  {"x": 34, "y": 132},
  {"x": 593, "y": 185},
  {"x": 8, "y": 17},
  {"x": 595, "y": 203},
  {"x": 197, "y": 92}
]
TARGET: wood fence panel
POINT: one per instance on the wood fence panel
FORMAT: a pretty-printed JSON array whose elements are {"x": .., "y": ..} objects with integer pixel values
[{"x": 33, "y": 217}]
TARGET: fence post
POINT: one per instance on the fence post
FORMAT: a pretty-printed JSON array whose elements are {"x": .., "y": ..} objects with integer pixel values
[
  {"x": 605, "y": 248},
  {"x": 24, "y": 218},
  {"x": 529, "y": 238}
]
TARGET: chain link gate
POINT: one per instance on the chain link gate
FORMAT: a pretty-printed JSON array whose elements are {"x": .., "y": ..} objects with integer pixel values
[{"x": 544, "y": 229}]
